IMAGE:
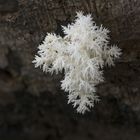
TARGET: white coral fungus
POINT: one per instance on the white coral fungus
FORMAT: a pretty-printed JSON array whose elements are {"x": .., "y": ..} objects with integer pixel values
[{"x": 82, "y": 54}]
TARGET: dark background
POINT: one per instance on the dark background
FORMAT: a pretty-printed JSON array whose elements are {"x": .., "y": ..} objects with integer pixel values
[{"x": 32, "y": 105}]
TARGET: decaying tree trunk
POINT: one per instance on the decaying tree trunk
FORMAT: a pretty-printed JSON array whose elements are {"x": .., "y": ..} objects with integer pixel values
[{"x": 32, "y": 106}]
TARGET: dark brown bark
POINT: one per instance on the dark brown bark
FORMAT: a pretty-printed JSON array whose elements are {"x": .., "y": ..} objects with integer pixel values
[{"x": 32, "y": 106}]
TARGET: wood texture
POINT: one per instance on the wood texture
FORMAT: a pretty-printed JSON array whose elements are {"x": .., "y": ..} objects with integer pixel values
[{"x": 33, "y": 107}]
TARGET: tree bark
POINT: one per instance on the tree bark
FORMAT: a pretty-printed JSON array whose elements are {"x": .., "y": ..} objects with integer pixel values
[{"x": 31, "y": 103}]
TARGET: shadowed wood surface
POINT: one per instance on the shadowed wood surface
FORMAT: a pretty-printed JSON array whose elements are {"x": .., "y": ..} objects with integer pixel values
[{"x": 32, "y": 105}]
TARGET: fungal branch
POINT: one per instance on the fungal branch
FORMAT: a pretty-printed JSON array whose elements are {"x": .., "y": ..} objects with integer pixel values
[{"x": 82, "y": 53}]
